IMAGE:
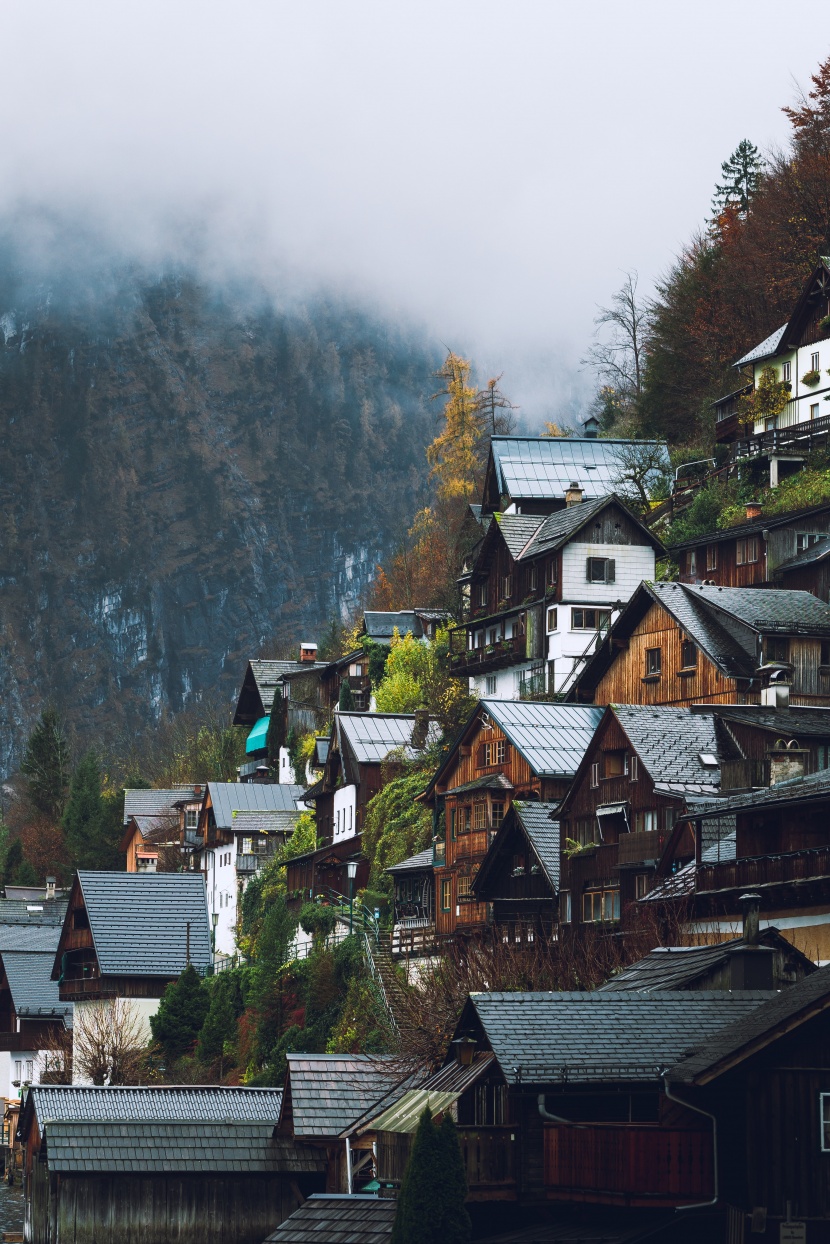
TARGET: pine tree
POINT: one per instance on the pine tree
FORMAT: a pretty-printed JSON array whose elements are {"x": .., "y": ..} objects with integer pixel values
[
  {"x": 423, "y": 1189},
  {"x": 455, "y": 1226},
  {"x": 219, "y": 1029},
  {"x": 84, "y": 813},
  {"x": 346, "y": 701},
  {"x": 181, "y": 1014},
  {"x": 46, "y": 765},
  {"x": 741, "y": 173}
]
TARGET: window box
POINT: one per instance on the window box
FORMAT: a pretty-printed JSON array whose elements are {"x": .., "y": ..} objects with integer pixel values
[
  {"x": 811, "y": 378},
  {"x": 824, "y": 324}
]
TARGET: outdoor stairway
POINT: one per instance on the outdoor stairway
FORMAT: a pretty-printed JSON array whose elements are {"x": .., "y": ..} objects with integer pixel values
[{"x": 382, "y": 968}]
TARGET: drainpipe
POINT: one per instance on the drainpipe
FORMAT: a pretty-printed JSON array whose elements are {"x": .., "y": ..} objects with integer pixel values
[
  {"x": 679, "y": 1101},
  {"x": 349, "y": 1165},
  {"x": 554, "y": 1118}
]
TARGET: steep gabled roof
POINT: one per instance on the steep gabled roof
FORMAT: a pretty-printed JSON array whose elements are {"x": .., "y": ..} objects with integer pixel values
[
  {"x": 815, "y": 553},
  {"x": 552, "y": 737},
  {"x": 229, "y": 797},
  {"x": 784, "y": 338},
  {"x": 691, "y": 736},
  {"x": 765, "y": 349},
  {"x": 157, "y": 802},
  {"x": 335, "y": 1218},
  {"x": 24, "y": 937},
  {"x": 542, "y": 468},
  {"x": 329, "y": 1091},
  {"x": 256, "y": 695},
  {"x": 372, "y": 736},
  {"x": 542, "y": 835},
  {"x": 34, "y": 993},
  {"x": 785, "y": 723}
]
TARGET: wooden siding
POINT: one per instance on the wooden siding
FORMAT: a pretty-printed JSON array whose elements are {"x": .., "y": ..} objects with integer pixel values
[
  {"x": 489, "y": 1154},
  {"x": 779, "y": 545},
  {"x": 628, "y": 1164}
]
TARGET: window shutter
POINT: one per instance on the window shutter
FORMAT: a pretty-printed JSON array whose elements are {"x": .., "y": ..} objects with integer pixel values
[
  {"x": 610, "y": 570},
  {"x": 588, "y": 569}
]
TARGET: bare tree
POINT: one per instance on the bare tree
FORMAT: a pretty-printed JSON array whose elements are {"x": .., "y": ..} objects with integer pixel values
[
  {"x": 643, "y": 473},
  {"x": 109, "y": 1043},
  {"x": 57, "y": 1057},
  {"x": 496, "y": 408},
  {"x": 619, "y": 351}
]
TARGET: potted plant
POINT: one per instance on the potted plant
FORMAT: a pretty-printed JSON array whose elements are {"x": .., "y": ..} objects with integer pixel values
[
  {"x": 811, "y": 378},
  {"x": 824, "y": 324}
]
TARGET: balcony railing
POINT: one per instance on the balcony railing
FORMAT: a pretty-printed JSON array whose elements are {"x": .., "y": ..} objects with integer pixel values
[
  {"x": 764, "y": 870},
  {"x": 413, "y": 937},
  {"x": 490, "y": 656},
  {"x": 489, "y": 1159},
  {"x": 628, "y": 1163},
  {"x": 789, "y": 433}
]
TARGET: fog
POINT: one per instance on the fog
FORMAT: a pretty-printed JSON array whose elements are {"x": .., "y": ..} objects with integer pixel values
[{"x": 488, "y": 170}]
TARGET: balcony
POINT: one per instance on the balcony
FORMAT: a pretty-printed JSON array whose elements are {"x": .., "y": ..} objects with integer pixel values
[
  {"x": 628, "y": 1164},
  {"x": 491, "y": 657},
  {"x": 764, "y": 870},
  {"x": 789, "y": 435},
  {"x": 639, "y": 848},
  {"x": 413, "y": 937}
]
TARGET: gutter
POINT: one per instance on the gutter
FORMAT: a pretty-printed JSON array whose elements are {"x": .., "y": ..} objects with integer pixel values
[{"x": 697, "y": 1109}]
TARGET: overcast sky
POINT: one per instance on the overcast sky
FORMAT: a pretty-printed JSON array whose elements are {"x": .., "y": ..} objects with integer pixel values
[{"x": 487, "y": 169}]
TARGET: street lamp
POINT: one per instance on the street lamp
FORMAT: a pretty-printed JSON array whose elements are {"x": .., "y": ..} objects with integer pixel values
[{"x": 351, "y": 869}]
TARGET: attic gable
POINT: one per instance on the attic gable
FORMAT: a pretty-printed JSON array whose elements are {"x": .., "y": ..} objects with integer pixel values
[{"x": 802, "y": 327}]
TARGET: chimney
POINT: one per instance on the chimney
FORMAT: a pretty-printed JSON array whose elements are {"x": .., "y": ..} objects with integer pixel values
[
  {"x": 573, "y": 495},
  {"x": 197, "y": 790},
  {"x": 777, "y": 693},
  {"x": 753, "y": 510},
  {"x": 786, "y": 761},
  {"x": 308, "y": 652},
  {"x": 420, "y": 729},
  {"x": 751, "y": 908},
  {"x": 590, "y": 427},
  {"x": 50, "y": 887}
]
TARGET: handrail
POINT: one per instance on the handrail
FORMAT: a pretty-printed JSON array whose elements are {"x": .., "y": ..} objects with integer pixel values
[
  {"x": 376, "y": 976},
  {"x": 583, "y": 658}
]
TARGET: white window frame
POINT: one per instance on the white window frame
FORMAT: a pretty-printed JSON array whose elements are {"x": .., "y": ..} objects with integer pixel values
[
  {"x": 786, "y": 372},
  {"x": 815, "y": 361},
  {"x": 824, "y": 1121},
  {"x": 814, "y": 410},
  {"x": 490, "y": 684},
  {"x": 551, "y": 619}
]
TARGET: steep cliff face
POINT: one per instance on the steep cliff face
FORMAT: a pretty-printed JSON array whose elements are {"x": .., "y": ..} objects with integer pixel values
[{"x": 186, "y": 473}]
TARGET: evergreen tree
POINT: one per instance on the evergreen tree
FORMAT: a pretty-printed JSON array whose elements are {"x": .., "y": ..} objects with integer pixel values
[
  {"x": 181, "y": 1014},
  {"x": 219, "y": 1029},
  {"x": 346, "y": 701},
  {"x": 455, "y": 1226},
  {"x": 740, "y": 179},
  {"x": 275, "y": 739},
  {"x": 421, "y": 1204},
  {"x": 46, "y": 765},
  {"x": 84, "y": 814}
]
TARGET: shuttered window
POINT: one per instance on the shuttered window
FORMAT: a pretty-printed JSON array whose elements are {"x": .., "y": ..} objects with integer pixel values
[{"x": 601, "y": 570}]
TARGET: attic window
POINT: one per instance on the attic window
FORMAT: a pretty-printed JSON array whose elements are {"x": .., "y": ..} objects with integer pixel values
[
  {"x": 777, "y": 649},
  {"x": 601, "y": 570},
  {"x": 706, "y": 758},
  {"x": 803, "y": 540}
]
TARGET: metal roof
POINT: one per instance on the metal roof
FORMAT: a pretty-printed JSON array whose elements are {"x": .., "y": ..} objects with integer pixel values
[
  {"x": 33, "y": 991},
  {"x": 542, "y": 468},
  {"x": 765, "y": 349},
  {"x": 691, "y": 735},
  {"x": 545, "y": 1038},
  {"x": 381, "y": 625},
  {"x": 415, "y": 863},
  {"x": 329, "y": 1091},
  {"x": 142, "y": 923},
  {"x": 332, "y": 1218},
  {"x": 157, "y": 802},
  {"x": 372, "y": 736},
  {"x": 542, "y": 833},
  {"x": 275, "y": 822},
  {"x": 229, "y": 797},
  {"x": 22, "y": 937},
  {"x": 156, "y": 1147},
  {"x": 171, "y": 1103},
  {"x": 553, "y": 738},
  {"x": 437, "y": 1093}
]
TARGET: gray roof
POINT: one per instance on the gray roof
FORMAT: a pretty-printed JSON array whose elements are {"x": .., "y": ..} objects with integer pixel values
[
  {"x": 518, "y": 529},
  {"x": 541, "y": 1038},
  {"x": 140, "y": 921},
  {"x": 269, "y": 674},
  {"x": 795, "y": 790},
  {"x": 490, "y": 781},
  {"x": 765, "y": 349},
  {"x": 679, "y": 967},
  {"x": 334, "y": 1218},
  {"x": 415, "y": 863},
  {"x": 381, "y": 625},
  {"x": 553, "y": 738},
  {"x": 754, "y": 527},
  {"x": 156, "y": 802},
  {"x": 329, "y": 1091},
  {"x": 542, "y": 833},
  {"x": 786, "y": 723},
  {"x": 33, "y": 991},
  {"x": 229, "y": 797},
  {"x": 372, "y": 736},
  {"x": 815, "y": 553},
  {"x": 171, "y": 1103},
  {"x": 274, "y": 822},
  {"x": 37, "y": 912},
  {"x": 543, "y": 467},
  {"x": 238, "y": 1146},
  {"x": 23, "y": 937},
  {"x": 681, "y": 883},
  {"x": 679, "y": 765},
  {"x": 768, "y": 610},
  {"x": 808, "y": 996}
]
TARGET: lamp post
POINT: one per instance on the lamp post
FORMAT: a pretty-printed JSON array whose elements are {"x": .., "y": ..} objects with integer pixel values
[{"x": 351, "y": 869}]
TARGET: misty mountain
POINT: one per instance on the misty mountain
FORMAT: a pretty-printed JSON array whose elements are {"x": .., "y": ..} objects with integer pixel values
[{"x": 187, "y": 472}]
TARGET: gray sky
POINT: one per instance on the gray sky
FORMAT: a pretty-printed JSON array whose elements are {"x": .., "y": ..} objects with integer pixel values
[{"x": 489, "y": 169}]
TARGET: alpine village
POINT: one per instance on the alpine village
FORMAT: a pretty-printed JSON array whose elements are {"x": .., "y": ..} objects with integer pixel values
[{"x": 499, "y": 909}]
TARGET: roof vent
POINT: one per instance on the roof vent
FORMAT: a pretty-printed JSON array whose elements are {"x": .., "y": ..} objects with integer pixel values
[
  {"x": 753, "y": 510},
  {"x": 573, "y": 495}
]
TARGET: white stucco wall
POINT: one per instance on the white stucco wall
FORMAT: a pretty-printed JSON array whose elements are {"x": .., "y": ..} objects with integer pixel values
[
  {"x": 221, "y": 887},
  {"x": 345, "y": 812},
  {"x": 802, "y": 396}
]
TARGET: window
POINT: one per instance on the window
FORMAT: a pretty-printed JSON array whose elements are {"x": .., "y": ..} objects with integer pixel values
[
  {"x": 600, "y": 905},
  {"x": 480, "y": 815},
  {"x": 825, "y": 652},
  {"x": 551, "y": 623},
  {"x": 711, "y": 557},
  {"x": 490, "y": 684},
  {"x": 446, "y": 894},
  {"x": 786, "y": 372},
  {"x": 481, "y": 593},
  {"x": 814, "y": 361},
  {"x": 191, "y": 818},
  {"x": 804, "y": 539},
  {"x": 532, "y": 577},
  {"x": 814, "y": 410},
  {"x": 595, "y": 775},
  {"x": 497, "y": 814},
  {"x": 506, "y": 586},
  {"x": 601, "y": 570},
  {"x": 464, "y": 888},
  {"x": 634, "y": 768},
  {"x": 645, "y": 822},
  {"x": 688, "y": 655},
  {"x": 616, "y": 764},
  {"x": 30, "y": 1069},
  {"x": 495, "y": 753},
  {"x": 584, "y": 830},
  {"x": 654, "y": 662},
  {"x": 824, "y": 1115},
  {"x": 777, "y": 649},
  {"x": 452, "y": 824},
  {"x": 356, "y": 671},
  {"x": 590, "y": 619},
  {"x": 553, "y": 572},
  {"x": 641, "y": 886},
  {"x": 465, "y": 819},
  {"x": 565, "y": 906},
  {"x": 691, "y": 561},
  {"x": 747, "y": 551}
]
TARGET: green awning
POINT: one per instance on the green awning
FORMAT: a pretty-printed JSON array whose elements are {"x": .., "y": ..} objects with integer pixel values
[{"x": 258, "y": 736}]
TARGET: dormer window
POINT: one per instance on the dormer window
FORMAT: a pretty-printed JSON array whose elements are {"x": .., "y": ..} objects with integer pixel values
[{"x": 804, "y": 539}]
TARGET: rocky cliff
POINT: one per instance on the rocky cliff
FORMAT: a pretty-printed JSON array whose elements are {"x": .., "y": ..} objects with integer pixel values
[{"x": 186, "y": 472}]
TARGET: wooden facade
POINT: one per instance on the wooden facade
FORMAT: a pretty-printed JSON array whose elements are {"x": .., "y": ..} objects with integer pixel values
[{"x": 752, "y": 555}]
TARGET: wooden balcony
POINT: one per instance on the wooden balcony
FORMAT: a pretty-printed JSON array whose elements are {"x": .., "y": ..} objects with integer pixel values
[
  {"x": 795, "y": 437},
  {"x": 491, "y": 657},
  {"x": 764, "y": 870},
  {"x": 413, "y": 938},
  {"x": 490, "y": 1159},
  {"x": 628, "y": 1164},
  {"x": 637, "y": 848}
]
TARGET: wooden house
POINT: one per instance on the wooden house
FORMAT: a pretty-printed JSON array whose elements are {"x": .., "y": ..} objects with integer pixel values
[
  {"x": 678, "y": 644},
  {"x": 807, "y": 571},
  {"x": 157, "y": 822},
  {"x": 519, "y": 875},
  {"x": 265, "y": 681},
  {"x": 542, "y": 588},
  {"x": 641, "y": 771},
  {"x": 760, "y": 747},
  {"x": 127, "y": 935},
  {"x": 34, "y": 1023},
  {"x": 508, "y": 750},
  {"x": 754, "y": 553},
  {"x": 160, "y": 1164},
  {"x": 413, "y": 905}
]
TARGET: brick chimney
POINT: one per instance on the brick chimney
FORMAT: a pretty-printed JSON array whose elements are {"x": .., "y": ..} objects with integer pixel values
[
  {"x": 308, "y": 652},
  {"x": 573, "y": 495},
  {"x": 420, "y": 729},
  {"x": 753, "y": 510}
]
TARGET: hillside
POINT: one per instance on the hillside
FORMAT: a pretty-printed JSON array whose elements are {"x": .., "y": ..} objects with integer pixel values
[{"x": 186, "y": 472}]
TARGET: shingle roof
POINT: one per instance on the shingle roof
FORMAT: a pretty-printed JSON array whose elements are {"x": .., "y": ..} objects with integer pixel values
[
  {"x": 198, "y": 1148},
  {"x": 273, "y": 822},
  {"x": 182, "y": 1103},
  {"x": 33, "y": 991},
  {"x": 543, "y": 834},
  {"x": 540, "y": 1038},
  {"x": 691, "y": 735},
  {"x": 329, "y": 1091},
  {"x": 330, "y": 1218},
  {"x": 678, "y": 967},
  {"x": 37, "y": 912},
  {"x": 372, "y": 736},
  {"x": 764, "y": 349},
  {"x": 490, "y": 781},
  {"x": 552, "y": 737},
  {"x": 517, "y": 529},
  {"x": 140, "y": 922},
  {"x": 415, "y": 863},
  {"x": 21, "y": 937},
  {"x": 767, "y": 610},
  {"x": 786, "y": 723},
  {"x": 229, "y": 797},
  {"x": 155, "y": 802},
  {"x": 269, "y": 674},
  {"x": 815, "y": 553},
  {"x": 543, "y": 467},
  {"x": 795, "y": 790},
  {"x": 381, "y": 625},
  {"x": 754, "y": 527},
  {"x": 438, "y": 1092},
  {"x": 683, "y": 881},
  {"x": 733, "y": 650},
  {"x": 808, "y": 996}
]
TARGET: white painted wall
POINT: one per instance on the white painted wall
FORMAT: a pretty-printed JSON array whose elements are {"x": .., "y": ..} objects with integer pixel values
[
  {"x": 345, "y": 812},
  {"x": 802, "y": 397},
  {"x": 633, "y": 563},
  {"x": 221, "y": 886},
  {"x": 286, "y": 772},
  {"x": 19, "y": 1065}
]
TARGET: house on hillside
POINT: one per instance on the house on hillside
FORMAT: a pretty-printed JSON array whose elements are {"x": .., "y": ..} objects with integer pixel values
[
  {"x": 160, "y": 826},
  {"x": 769, "y": 551},
  {"x": 542, "y": 589},
  {"x": 413, "y": 905},
  {"x": 264, "y": 680},
  {"x": 184, "y": 1163},
  {"x": 677, "y": 644},
  {"x": 127, "y": 935},
  {"x": 508, "y": 750},
  {"x": 241, "y": 825},
  {"x": 799, "y": 354},
  {"x": 519, "y": 875},
  {"x": 35, "y": 1026}
]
